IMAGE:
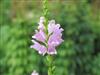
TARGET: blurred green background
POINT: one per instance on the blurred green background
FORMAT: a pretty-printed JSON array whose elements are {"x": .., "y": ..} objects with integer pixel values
[{"x": 78, "y": 55}]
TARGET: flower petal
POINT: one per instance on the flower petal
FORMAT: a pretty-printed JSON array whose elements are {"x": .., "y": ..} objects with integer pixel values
[
  {"x": 40, "y": 48},
  {"x": 55, "y": 39},
  {"x": 51, "y": 50},
  {"x": 41, "y": 25},
  {"x": 51, "y": 26},
  {"x": 34, "y": 73},
  {"x": 40, "y": 36}
]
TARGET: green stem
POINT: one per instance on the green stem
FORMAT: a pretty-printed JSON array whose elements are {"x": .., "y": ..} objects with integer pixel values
[
  {"x": 51, "y": 67},
  {"x": 49, "y": 58},
  {"x": 45, "y": 13},
  {"x": 45, "y": 8}
]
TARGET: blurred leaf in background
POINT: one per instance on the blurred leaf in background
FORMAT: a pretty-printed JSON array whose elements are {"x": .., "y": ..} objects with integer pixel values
[{"x": 78, "y": 55}]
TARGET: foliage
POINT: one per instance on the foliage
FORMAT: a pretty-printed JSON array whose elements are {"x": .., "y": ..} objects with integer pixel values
[{"x": 78, "y": 55}]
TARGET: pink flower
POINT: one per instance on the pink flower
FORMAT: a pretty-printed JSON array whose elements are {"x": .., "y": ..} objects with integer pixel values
[
  {"x": 47, "y": 43},
  {"x": 40, "y": 48},
  {"x": 40, "y": 36},
  {"x": 34, "y": 73},
  {"x": 51, "y": 49},
  {"x": 41, "y": 25}
]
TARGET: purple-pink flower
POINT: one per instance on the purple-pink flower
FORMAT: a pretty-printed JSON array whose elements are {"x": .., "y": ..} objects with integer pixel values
[
  {"x": 47, "y": 42},
  {"x": 34, "y": 73}
]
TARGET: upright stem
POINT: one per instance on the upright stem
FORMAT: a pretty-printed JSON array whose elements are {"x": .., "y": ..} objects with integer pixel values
[
  {"x": 51, "y": 67},
  {"x": 45, "y": 12},
  {"x": 49, "y": 58},
  {"x": 45, "y": 8}
]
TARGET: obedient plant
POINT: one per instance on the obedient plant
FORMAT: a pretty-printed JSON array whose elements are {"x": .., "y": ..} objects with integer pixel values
[
  {"x": 47, "y": 42},
  {"x": 47, "y": 37}
]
